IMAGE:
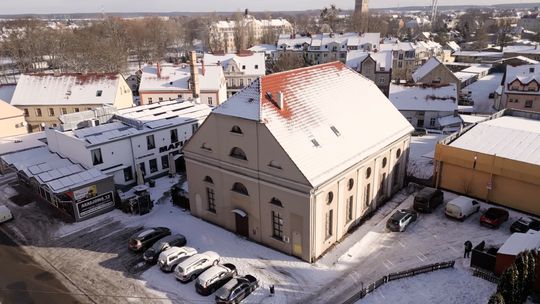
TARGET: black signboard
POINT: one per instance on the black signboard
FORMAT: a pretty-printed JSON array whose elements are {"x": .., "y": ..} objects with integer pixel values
[{"x": 95, "y": 204}]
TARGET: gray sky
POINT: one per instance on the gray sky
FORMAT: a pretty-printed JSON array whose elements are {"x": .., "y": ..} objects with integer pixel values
[{"x": 81, "y": 6}]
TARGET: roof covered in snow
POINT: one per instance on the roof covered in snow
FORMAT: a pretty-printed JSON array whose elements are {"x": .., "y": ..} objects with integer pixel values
[
  {"x": 382, "y": 58},
  {"x": 66, "y": 89},
  {"x": 519, "y": 242},
  {"x": 449, "y": 120},
  {"x": 175, "y": 78},
  {"x": 8, "y": 111},
  {"x": 524, "y": 73},
  {"x": 453, "y": 46},
  {"x": 426, "y": 68},
  {"x": 253, "y": 64},
  {"x": 509, "y": 137},
  {"x": 320, "y": 41},
  {"x": 440, "y": 98},
  {"x": 263, "y": 48},
  {"x": 22, "y": 142},
  {"x": 326, "y": 107}
]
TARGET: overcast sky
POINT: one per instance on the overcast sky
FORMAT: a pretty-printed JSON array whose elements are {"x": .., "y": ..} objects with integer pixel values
[{"x": 78, "y": 6}]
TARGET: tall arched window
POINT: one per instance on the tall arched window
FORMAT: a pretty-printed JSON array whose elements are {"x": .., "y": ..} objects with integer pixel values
[
  {"x": 238, "y": 153},
  {"x": 240, "y": 188}
]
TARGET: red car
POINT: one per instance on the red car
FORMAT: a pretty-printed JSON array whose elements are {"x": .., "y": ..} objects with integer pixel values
[{"x": 494, "y": 217}]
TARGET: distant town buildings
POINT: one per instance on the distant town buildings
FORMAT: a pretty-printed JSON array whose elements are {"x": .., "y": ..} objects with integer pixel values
[
  {"x": 376, "y": 66},
  {"x": 258, "y": 167},
  {"x": 44, "y": 97}
]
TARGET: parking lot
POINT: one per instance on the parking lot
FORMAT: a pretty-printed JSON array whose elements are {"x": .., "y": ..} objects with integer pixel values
[{"x": 94, "y": 253}]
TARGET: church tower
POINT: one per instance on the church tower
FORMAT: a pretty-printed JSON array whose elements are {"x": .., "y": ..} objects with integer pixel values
[{"x": 361, "y": 14}]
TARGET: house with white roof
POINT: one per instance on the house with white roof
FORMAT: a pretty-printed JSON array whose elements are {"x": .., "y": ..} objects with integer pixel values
[
  {"x": 521, "y": 88},
  {"x": 435, "y": 72},
  {"x": 496, "y": 160},
  {"x": 12, "y": 120},
  {"x": 376, "y": 66},
  {"x": 161, "y": 82},
  {"x": 408, "y": 56},
  {"x": 240, "y": 69},
  {"x": 281, "y": 165},
  {"x": 44, "y": 97},
  {"x": 428, "y": 106},
  {"x": 513, "y": 246}
]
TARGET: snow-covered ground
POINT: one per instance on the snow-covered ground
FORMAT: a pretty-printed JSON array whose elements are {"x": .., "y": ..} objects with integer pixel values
[
  {"x": 480, "y": 91},
  {"x": 421, "y": 155},
  {"x": 449, "y": 286}
]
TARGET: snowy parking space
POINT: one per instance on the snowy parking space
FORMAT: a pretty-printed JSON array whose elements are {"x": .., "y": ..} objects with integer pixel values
[
  {"x": 421, "y": 155},
  {"x": 94, "y": 253}
]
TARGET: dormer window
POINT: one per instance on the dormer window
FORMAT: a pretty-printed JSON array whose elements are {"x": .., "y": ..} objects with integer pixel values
[
  {"x": 275, "y": 164},
  {"x": 238, "y": 153},
  {"x": 99, "y": 93},
  {"x": 237, "y": 130}
]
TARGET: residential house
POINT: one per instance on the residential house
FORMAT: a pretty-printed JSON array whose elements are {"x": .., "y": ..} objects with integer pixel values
[
  {"x": 44, "y": 97},
  {"x": 408, "y": 56},
  {"x": 435, "y": 72},
  {"x": 240, "y": 69},
  {"x": 431, "y": 106},
  {"x": 12, "y": 120},
  {"x": 259, "y": 167},
  {"x": 521, "y": 88},
  {"x": 376, "y": 66}
]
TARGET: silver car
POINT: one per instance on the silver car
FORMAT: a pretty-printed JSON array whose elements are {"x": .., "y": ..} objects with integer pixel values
[
  {"x": 190, "y": 268},
  {"x": 171, "y": 257}
]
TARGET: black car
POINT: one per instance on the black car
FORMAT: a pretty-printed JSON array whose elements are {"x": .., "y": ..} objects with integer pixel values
[
  {"x": 151, "y": 254},
  {"x": 428, "y": 199},
  {"x": 236, "y": 289},
  {"x": 524, "y": 224},
  {"x": 147, "y": 238}
]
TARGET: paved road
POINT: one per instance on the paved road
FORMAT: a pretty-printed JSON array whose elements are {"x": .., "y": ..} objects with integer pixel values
[{"x": 22, "y": 280}]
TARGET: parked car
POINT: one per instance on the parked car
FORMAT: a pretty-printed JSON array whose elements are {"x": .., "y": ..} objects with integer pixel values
[
  {"x": 461, "y": 207},
  {"x": 494, "y": 217},
  {"x": 190, "y": 268},
  {"x": 236, "y": 289},
  {"x": 524, "y": 224},
  {"x": 151, "y": 254},
  {"x": 171, "y": 257},
  {"x": 419, "y": 131},
  {"x": 147, "y": 238},
  {"x": 399, "y": 221},
  {"x": 428, "y": 199},
  {"x": 5, "y": 214},
  {"x": 214, "y": 277}
]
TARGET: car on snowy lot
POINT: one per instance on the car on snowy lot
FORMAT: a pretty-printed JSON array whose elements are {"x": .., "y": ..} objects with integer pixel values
[
  {"x": 236, "y": 289},
  {"x": 461, "y": 207},
  {"x": 147, "y": 238},
  {"x": 399, "y": 221},
  {"x": 214, "y": 277},
  {"x": 190, "y": 268},
  {"x": 524, "y": 224},
  {"x": 494, "y": 217},
  {"x": 151, "y": 254},
  {"x": 171, "y": 257},
  {"x": 428, "y": 199},
  {"x": 419, "y": 132}
]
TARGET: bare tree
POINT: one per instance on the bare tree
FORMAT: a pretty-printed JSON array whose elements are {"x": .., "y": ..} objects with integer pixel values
[{"x": 288, "y": 61}]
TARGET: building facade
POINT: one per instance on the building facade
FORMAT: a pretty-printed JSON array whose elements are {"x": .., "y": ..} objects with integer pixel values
[
  {"x": 376, "y": 66},
  {"x": 521, "y": 89},
  {"x": 435, "y": 72},
  {"x": 259, "y": 168},
  {"x": 44, "y": 97},
  {"x": 12, "y": 120}
]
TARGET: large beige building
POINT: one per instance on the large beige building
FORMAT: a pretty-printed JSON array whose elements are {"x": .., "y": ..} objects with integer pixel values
[
  {"x": 297, "y": 158},
  {"x": 44, "y": 97},
  {"x": 11, "y": 120},
  {"x": 496, "y": 161}
]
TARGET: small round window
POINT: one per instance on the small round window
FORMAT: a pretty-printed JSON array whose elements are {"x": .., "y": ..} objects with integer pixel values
[
  {"x": 330, "y": 197},
  {"x": 384, "y": 161},
  {"x": 398, "y": 153},
  {"x": 350, "y": 185},
  {"x": 368, "y": 172}
]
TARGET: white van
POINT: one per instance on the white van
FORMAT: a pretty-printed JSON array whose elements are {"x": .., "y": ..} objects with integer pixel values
[
  {"x": 5, "y": 214},
  {"x": 461, "y": 207}
]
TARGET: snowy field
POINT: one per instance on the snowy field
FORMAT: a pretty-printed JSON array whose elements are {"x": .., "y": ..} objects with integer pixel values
[
  {"x": 480, "y": 91},
  {"x": 449, "y": 286},
  {"x": 421, "y": 155}
]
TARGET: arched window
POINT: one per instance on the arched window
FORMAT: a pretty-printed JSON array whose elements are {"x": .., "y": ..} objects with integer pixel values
[
  {"x": 350, "y": 184},
  {"x": 208, "y": 179},
  {"x": 368, "y": 172},
  {"x": 275, "y": 201},
  {"x": 398, "y": 153},
  {"x": 384, "y": 161},
  {"x": 240, "y": 188},
  {"x": 237, "y": 130},
  {"x": 330, "y": 197},
  {"x": 238, "y": 153}
]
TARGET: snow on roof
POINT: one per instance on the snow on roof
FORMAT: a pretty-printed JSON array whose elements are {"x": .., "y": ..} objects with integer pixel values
[
  {"x": 66, "y": 89},
  {"x": 462, "y": 76},
  {"x": 325, "y": 107},
  {"x": 426, "y": 68},
  {"x": 509, "y": 137},
  {"x": 519, "y": 242},
  {"x": 382, "y": 58},
  {"x": 253, "y": 64},
  {"x": 449, "y": 120},
  {"x": 453, "y": 46},
  {"x": 6, "y": 92},
  {"x": 263, "y": 48},
  {"x": 522, "y": 49},
  {"x": 477, "y": 69},
  {"x": 22, "y": 142},
  {"x": 8, "y": 111},
  {"x": 471, "y": 119},
  {"x": 176, "y": 78},
  {"x": 524, "y": 73},
  {"x": 443, "y": 98},
  {"x": 478, "y": 54},
  {"x": 355, "y": 58},
  {"x": 524, "y": 59}
]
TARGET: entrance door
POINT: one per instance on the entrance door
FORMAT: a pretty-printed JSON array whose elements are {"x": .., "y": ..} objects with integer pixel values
[
  {"x": 242, "y": 225},
  {"x": 297, "y": 244}
]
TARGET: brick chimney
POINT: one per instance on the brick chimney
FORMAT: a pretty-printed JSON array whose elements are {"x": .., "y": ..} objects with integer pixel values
[
  {"x": 194, "y": 82},
  {"x": 203, "y": 68}
]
